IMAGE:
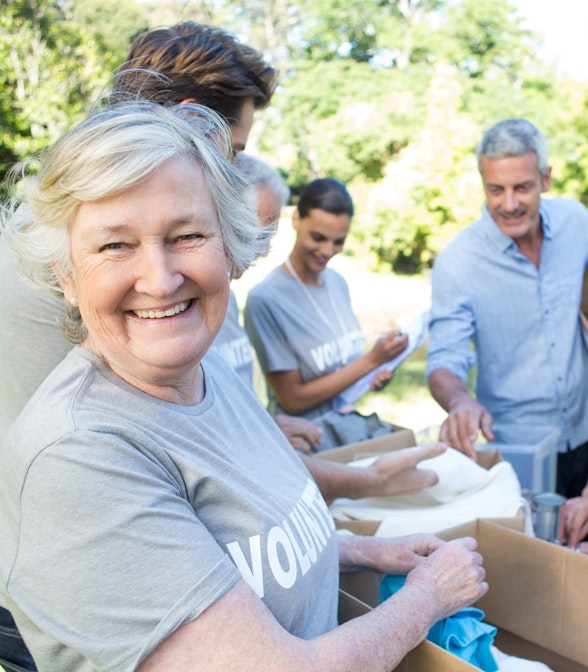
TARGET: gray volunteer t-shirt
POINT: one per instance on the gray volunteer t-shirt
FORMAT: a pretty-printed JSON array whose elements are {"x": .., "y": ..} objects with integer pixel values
[
  {"x": 125, "y": 516},
  {"x": 232, "y": 343},
  {"x": 31, "y": 341},
  {"x": 290, "y": 331}
]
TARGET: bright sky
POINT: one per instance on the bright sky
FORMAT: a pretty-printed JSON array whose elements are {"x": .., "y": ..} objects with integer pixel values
[{"x": 563, "y": 23}]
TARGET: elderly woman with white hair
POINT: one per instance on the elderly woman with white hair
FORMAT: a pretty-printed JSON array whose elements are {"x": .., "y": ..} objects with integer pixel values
[{"x": 154, "y": 516}]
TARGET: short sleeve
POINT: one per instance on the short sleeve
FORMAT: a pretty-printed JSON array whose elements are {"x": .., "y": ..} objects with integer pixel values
[
  {"x": 268, "y": 335},
  {"x": 153, "y": 567}
]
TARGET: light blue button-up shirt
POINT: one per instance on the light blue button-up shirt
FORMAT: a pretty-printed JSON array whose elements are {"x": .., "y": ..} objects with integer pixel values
[{"x": 532, "y": 364}]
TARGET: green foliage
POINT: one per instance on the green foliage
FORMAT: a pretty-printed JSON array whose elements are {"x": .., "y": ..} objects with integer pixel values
[
  {"x": 483, "y": 37},
  {"x": 354, "y": 131},
  {"x": 54, "y": 65},
  {"x": 426, "y": 194},
  {"x": 389, "y": 96}
]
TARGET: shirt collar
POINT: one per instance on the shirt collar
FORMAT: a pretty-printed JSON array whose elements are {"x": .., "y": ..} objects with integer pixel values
[{"x": 504, "y": 242}]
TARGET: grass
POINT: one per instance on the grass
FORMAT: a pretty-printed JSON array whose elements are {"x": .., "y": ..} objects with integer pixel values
[{"x": 406, "y": 400}]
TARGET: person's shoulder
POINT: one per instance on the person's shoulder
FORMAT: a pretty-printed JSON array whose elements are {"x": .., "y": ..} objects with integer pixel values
[
  {"x": 564, "y": 217},
  {"x": 332, "y": 276},
  {"x": 465, "y": 239},
  {"x": 273, "y": 283},
  {"x": 559, "y": 205},
  {"x": 48, "y": 415}
]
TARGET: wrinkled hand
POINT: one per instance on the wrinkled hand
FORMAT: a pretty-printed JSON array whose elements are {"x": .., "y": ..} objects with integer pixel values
[
  {"x": 389, "y": 556},
  {"x": 451, "y": 578},
  {"x": 389, "y": 346},
  {"x": 460, "y": 428},
  {"x": 380, "y": 380},
  {"x": 574, "y": 521},
  {"x": 302, "y": 434},
  {"x": 397, "y": 472}
]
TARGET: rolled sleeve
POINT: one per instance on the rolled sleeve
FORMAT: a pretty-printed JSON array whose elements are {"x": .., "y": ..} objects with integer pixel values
[{"x": 452, "y": 324}]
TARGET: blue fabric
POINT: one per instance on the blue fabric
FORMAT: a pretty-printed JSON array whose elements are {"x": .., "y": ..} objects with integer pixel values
[
  {"x": 464, "y": 634},
  {"x": 522, "y": 321}
]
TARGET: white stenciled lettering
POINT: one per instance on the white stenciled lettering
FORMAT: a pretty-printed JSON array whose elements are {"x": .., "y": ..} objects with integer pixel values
[
  {"x": 318, "y": 357},
  {"x": 337, "y": 352},
  {"x": 253, "y": 573},
  {"x": 276, "y": 539},
  {"x": 289, "y": 548},
  {"x": 303, "y": 558},
  {"x": 314, "y": 500},
  {"x": 236, "y": 353},
  {"x": 305, "y": 535}
]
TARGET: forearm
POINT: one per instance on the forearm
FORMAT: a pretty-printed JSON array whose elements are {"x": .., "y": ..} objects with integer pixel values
[
  {"x": 219, "y": 640},
  {"x": 447, "y": 389},
  {"x": 302, "y": 396},
  {"x": 335, "y": 479},
  {"x": 379, "y": 640},
  {"x": 384, "y": 555}
]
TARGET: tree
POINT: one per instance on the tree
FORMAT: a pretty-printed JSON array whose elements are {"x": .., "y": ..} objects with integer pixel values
[
  {"x": 432, "y": 188},
  {"x": 54, "y": 65},
  {"x": 343, "y": 118}
]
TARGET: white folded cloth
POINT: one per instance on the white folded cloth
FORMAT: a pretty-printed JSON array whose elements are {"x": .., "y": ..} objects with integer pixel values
[
  {"x": 465, "y": 491},
  {"x": 513, "y": 664}
]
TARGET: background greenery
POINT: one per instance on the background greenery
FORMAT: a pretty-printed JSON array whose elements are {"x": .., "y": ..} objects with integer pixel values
[{"x": 389, "y": 96}]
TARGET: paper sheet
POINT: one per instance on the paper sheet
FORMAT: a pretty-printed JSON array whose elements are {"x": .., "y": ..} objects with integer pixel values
[{"x": 416, "y": 332}]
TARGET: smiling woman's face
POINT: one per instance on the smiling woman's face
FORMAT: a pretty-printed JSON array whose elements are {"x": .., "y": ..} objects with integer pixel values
[{"x": 151, "y": 276}]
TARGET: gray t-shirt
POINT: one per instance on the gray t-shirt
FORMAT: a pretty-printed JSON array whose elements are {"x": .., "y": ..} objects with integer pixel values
[
  {"x": 309, "y": 329},
  {"x": 31, "y": 341},
  {"x": 125, "y": 516},
  {"x": 232, "y": 343}
]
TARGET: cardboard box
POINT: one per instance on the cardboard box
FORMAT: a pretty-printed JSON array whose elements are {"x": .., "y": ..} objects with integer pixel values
[
  {"x": 403, "y": 438},
  {"x": 537, "y": 599},
  {"x": 427, "y": 657},
  {"x": 400, "y": 438},
  {"x": 532, "y": 451}
]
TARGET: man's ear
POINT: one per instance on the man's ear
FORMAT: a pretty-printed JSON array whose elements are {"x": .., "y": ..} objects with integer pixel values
[
  {"x": 295, "y": 219},
  {"x": 546, "y": 180}
]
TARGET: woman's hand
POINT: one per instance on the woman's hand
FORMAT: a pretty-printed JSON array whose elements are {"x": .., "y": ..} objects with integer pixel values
[
  {"x": 389, "y": 346},
  {"x": 302, "y": 434},
  {"x": 450, "y": 578},
  {"x": 380, "y": 380},
  {"x": 397, "y": 472},
  {"x": 389, "y": 556}
]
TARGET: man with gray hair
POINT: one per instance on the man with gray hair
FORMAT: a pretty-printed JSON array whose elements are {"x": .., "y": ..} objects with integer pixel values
[{"x": 510, "y": 285}]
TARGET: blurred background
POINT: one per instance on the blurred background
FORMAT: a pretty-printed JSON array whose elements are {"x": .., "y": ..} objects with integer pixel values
[{"x": 389, "y": 96}]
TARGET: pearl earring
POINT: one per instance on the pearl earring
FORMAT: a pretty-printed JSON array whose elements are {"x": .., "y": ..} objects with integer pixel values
[{"x": 73, "y": 301}]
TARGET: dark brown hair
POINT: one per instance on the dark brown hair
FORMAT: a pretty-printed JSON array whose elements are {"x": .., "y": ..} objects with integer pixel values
[
  {"x": 326, "y": 194},
  {"x": 199, "y": 62}
]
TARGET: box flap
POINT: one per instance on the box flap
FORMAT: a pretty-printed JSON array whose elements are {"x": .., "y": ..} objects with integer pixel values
[
  {"x": 538, "y": 591},
  {"x": 471, "y": 529},
  {"x": 401, "y": 438},
  {"x": 426, "y": 657},
  {"x": 538, "y": 595},
  {"x": 367, "y": 528},
  {"x": 488, "y": 458},
  {"x": 364, "y": 586}
]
